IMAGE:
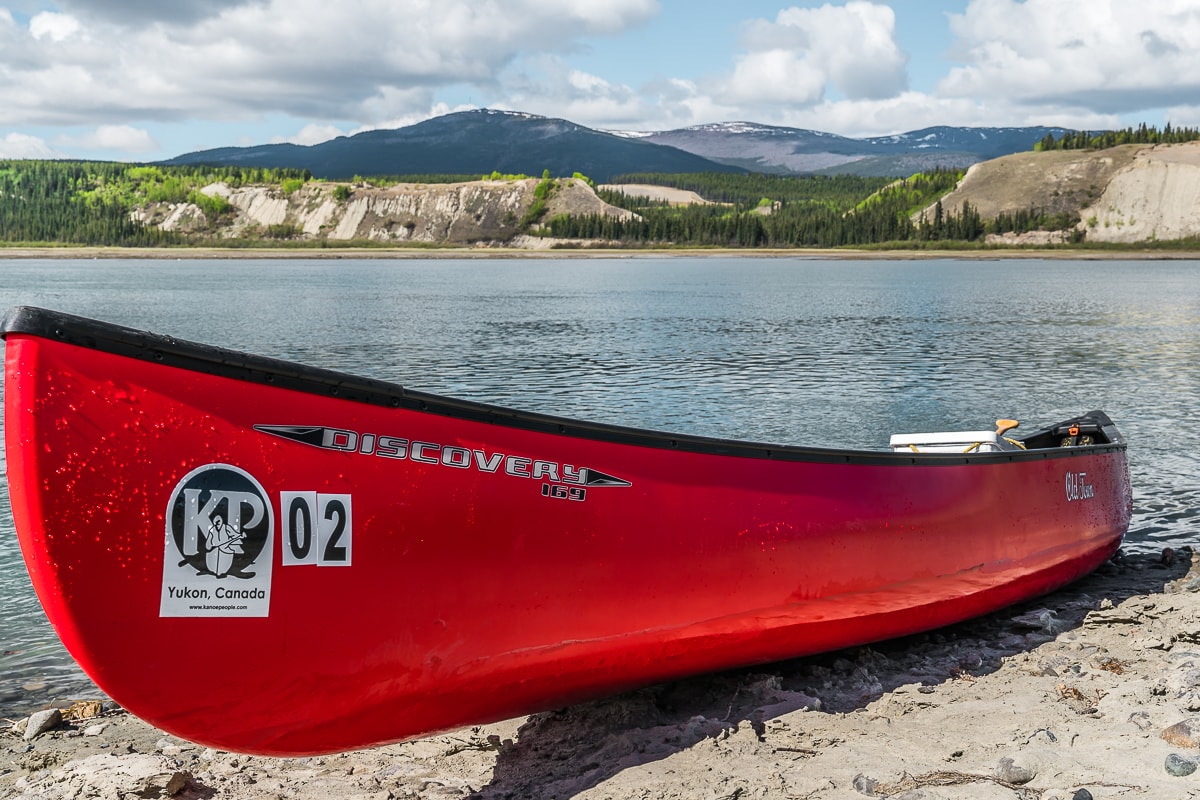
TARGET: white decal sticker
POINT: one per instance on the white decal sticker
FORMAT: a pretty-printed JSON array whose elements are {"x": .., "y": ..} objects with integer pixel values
[
  {"x": 218, "y": 547},
  {"x": 318, "y": 529},
  {"x": 334, "y": 529},
  {"x": 299, "y": 511}
]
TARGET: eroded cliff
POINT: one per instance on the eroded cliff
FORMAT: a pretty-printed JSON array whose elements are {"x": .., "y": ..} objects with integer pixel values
[
  {"x": 475, "y": 212},
  {"x": 1131, "y": 193}
]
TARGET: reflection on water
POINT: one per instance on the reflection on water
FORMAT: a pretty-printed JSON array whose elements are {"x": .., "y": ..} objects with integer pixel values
[{"x": 807, "y": 352}]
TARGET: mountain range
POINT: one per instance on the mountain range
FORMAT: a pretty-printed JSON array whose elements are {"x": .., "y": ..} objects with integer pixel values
[
  {"x": 772, "y": 149},
  {"x": 482, "y": 141}
]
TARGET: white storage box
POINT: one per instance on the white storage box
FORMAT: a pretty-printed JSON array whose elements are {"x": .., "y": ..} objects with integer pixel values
[{"x": 951, "y": 442}]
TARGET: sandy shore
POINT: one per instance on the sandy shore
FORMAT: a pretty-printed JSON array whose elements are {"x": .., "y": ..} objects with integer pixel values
[
  {"x": 1064, "y": 697},
  {"x": 545, "y": 251}
]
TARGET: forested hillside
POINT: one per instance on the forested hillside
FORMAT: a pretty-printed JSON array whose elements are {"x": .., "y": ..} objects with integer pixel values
[
  {"x": 1143, "y": 134},
  {"x": 78, "y": 202},
  {"x": 778, "y": 211},
  {"x": 48, "y": 202}
]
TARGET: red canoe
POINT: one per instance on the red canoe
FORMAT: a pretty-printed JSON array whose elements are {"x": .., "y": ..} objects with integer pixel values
[{"x": 271, "y": 558}]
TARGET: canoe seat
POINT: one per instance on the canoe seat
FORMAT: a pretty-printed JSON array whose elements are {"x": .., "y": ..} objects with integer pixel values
[{"x": 951, "y": 442}]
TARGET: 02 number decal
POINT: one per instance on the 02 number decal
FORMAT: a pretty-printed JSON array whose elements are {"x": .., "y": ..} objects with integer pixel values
[{"x": 318, "y": 529}]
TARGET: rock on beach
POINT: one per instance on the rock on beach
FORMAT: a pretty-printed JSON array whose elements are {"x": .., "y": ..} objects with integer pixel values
[
  {"x": 1179, "y": 766},
  {"x": 1071, "y": 697},
  {"x": 40, "y": 722},
  {"x": 1185, "y": 733}
]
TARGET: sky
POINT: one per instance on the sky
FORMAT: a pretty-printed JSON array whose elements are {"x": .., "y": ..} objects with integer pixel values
[{"x": 144, "y": 80}]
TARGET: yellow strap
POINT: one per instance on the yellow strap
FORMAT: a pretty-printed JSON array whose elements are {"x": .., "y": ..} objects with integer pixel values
[
  {"x": 1014, "y": 441},
  {"x": 914, "y": 448},
  {"x": 972, "y": 447}
]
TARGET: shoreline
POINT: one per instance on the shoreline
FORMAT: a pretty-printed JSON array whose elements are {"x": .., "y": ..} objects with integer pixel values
[
  {"x": 501, "y": 253},
  {"x": 1065, "y": 697}
]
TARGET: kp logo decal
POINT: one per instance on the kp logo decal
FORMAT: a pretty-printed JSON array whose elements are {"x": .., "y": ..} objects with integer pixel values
[{"x": 219, "y": 541}]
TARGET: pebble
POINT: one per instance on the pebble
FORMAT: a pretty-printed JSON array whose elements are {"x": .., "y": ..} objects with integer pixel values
[
  {"x": 864, "y": 785},
  {"x": 1179, "y": 766},
  {"x": 1011, "y": 771},
  {"x": 1185, "y": 733},
  {"x": 41, "y": 722},
  {"x": 1041, "y": 619},
  {"x": 1066, "y": 794},
  {"x": 1140, "y": 720}
]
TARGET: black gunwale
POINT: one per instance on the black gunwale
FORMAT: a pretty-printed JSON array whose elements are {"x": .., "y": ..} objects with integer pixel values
[{"x": 237, "y": 365}]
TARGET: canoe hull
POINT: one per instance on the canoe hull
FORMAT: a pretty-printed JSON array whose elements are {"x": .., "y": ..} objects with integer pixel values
[{"x": 281, "y": 571}]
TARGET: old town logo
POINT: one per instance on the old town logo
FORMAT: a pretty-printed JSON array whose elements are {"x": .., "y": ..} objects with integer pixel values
[{"x": 217, "y": 561}]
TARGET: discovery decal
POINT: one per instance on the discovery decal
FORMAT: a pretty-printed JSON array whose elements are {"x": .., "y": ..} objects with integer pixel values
[{"x": 552, "y": 473}]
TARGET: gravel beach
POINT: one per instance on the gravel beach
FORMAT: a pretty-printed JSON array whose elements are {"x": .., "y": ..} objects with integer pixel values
[{"x": 1091, "y": 692}]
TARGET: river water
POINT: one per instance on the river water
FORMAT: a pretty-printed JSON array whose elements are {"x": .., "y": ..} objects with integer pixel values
[{"x": 835, "y": 353}]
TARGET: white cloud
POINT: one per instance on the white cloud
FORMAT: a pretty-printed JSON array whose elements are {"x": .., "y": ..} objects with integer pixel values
[
  {"x": 787, "y": 65},
  {"x": 53, "y": 26},
  {"x": 412, "y": 118},
  {"x": 668, "y": 104},
  {"x": 333, "y": 68},
  {"x": 390, "y": 102},
  {"x": 549, "y": 87},
  {"x": 1185, "y": 116},
  {"x": 1110, "y": 56},
  {"x": 147, "y": 12},
  {"x": 1032, "y": 62},
  {"x": 356, "y": 59},
  {"x": 598, "y": 16},
  {"x": 310, "y": 135},
  {"x": 856, "y": 44},
  {"x": 774, "y": 76},
  {"x": 594, "y": 100},
  {"x": 117, "y": 138},
  {"x": 806, "y": 51},
  {"x": 19, "y": 145}
]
